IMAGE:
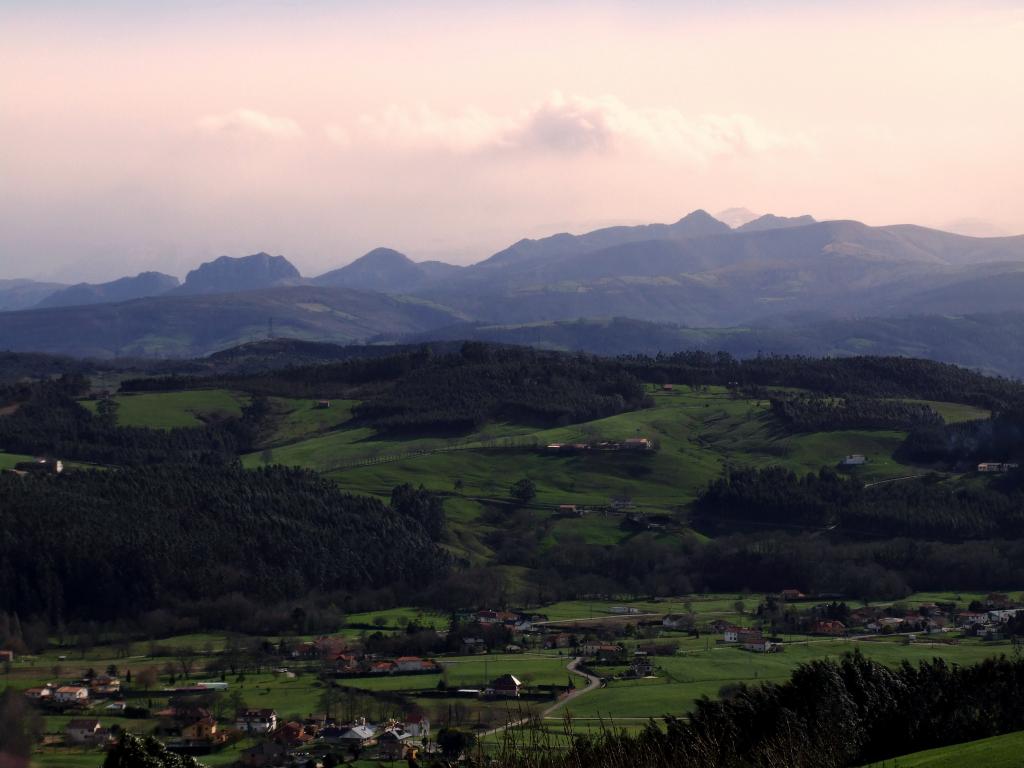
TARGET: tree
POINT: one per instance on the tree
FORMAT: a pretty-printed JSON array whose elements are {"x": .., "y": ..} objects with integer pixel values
[
  {"x": 147, "y": 677},
  {"x": 186, "y": 658},
  {"x": 133, "y": 752},
  {"x": 454, "y": 742},
  {"x": 21, "y": 727},
  {"x": 523, "y": 491}
]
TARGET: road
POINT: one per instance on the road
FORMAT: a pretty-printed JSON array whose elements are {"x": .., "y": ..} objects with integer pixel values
[{"x": 593, "y": 683}]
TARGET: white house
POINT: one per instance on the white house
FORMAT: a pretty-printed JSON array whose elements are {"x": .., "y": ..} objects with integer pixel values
[
  {"x": 732, "y": 634},
  {"x": 83, "y": 731},
  {"x": 854, "y": 460},
  {"x": 256, "y": 720},
  {"x": 71, "y": 694}
]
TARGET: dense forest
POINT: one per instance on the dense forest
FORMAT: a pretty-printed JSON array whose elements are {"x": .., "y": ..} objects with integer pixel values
[
  {"x": 830, "y": 714},
  {"x": 875, "y": 377},
  {"x": 107, "y": 544},
  {"x": 811, "y": 413},
  {"x": 48, "y": 421},
  {"x": 749, "y": 499}
]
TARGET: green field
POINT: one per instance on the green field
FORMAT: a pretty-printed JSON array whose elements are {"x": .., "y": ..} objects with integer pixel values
[
  {"x": 8, "y": 460},
  {"x": 699, "y": 433},
  {"x": 167, "y": 410},
  {"x": 1005, "y": 751},
  {"x": 702, "y": 671}
]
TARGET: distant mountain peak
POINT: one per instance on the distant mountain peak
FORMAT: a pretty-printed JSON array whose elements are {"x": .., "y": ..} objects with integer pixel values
[
  {"x": 382, "y": 269},
  {"x": 228, "y": 274},
  {"x": 142, "y": 285}
]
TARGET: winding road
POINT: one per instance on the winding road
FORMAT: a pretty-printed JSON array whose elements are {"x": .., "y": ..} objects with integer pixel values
[{"x": 593, "y": 683}]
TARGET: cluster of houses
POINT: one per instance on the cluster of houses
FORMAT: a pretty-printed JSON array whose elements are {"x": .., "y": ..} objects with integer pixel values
[
  {"x": 78, "y": 694},
  {"x": 393, "y": 739},
  {"x": 639, "y": 444},
  {"x": 352, "y": 665}
]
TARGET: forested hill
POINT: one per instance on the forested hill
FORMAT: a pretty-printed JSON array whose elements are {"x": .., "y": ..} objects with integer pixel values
[
  {"x": 419, "y": 390},
  {"x": 100, "y": 545}
]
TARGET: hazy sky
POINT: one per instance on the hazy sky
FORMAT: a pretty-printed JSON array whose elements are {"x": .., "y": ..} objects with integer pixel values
[{"x": 139, "y": 136}]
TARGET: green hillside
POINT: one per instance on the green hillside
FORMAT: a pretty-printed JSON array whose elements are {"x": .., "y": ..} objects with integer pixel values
[
  {"x": 167, "y": 410},
  {"x": 1005, "y": 751}
]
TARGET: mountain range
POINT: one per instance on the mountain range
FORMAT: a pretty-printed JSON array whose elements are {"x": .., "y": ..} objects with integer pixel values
[{"x": 762, "y": 278}]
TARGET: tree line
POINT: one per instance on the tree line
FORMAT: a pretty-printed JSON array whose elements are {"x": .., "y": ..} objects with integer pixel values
[
  {"x": 926, "y": 507},
  {"x": 813, "y": 413}
]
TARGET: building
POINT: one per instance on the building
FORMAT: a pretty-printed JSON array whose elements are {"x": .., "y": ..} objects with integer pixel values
[
  {"x": 638, "y": 444},
  {"x": 393, "y": 743},
  {"x": 7, "y": 656},
  {"x": 256, "y": 720},
  {"x": 322, "y": 404},
  {"x": 473, "y": 645},
  {"x": 83, "y": 731},
  {"x": 678, "y": 621},
  {"x": 40, "y": 466},
  {"x": 202, "y": 729},
  {"x": 995, "y": 466},
  {"x": 792, "y": 594},
  {"x": 853, "y": 460},
  {"x": 829, "y": 627},
  {"x": 507, "y": 686},
  {"x": 732, "y": 634},
  {"x": 418, "y": 725},
  {"x": 264, "y": 754},
  {"x": 627, "y": 610},
  {"x": 39, "y": 694},
  {"x": 71, "y": 694},
  {"x": 105, "y": 685},
  {"x": 358, "y": 736}
]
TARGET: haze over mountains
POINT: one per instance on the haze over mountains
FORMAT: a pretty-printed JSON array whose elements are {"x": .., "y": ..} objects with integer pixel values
[{"x": 778, "y": 278}]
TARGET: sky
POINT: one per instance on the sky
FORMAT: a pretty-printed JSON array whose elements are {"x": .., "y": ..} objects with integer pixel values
[{"x": 139, "y": 135}]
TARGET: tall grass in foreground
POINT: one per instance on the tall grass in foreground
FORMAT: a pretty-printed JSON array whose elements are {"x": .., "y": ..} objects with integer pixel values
[{"x": 532, "y": 744}]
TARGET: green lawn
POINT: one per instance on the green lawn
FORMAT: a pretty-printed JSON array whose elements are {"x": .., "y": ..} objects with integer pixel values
[
  {"x": 166, "y": 410},
  {"x": 997, "y": 752}
]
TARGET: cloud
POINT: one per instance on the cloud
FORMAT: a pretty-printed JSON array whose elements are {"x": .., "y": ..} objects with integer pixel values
[
  {"x": 250, "y": 122},
  {"x": 568, "y": 125}
]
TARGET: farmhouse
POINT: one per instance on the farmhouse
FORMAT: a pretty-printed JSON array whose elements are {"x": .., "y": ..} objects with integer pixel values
[
  {"x": 6, "y": 655},
  {"x": 71, "y": 694},
  {"x": 40, "y": 466},
  {"x": 322, "y": 404},
  {"x": 829, "y": 627},
  {"x": 627, "y": 610},
  {"x": 256, "y": 720},
  {"x": 83, "y": 731},
  {"x": 506, "y": 686},
  {"x": 995, "y": 466},
  {"x": 792, "y": 594},
  {"x": 732, "y": 634},
  {"x": 638, "y": 444},
  {"x": 361, "y": 735},
  {"x": 265, "y": 753},
  {"x": 853, "y": 460},
  {"x": 394, "y": 743},
  {"x": 678, "y": 621},
  {"x": 39, "y": 694},
  {"x": 473, "y": 645}
]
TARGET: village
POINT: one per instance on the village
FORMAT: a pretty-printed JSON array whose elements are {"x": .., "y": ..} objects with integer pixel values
[{"x": 373, "y": 705}]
